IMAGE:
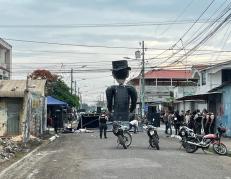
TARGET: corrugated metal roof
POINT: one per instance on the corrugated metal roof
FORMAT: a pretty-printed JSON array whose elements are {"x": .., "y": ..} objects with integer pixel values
[
  {"x": 16, "y": 88},
  {"x": 5, "y": 44},
  {"x": 180, "y": 74}
]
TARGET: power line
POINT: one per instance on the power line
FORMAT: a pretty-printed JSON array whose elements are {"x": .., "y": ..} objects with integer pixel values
[
  {"x": 206, "y": 38},
  {"x": 181, "y": 13},
  {"x": 185, "y": 21},
  {"x": 187, "y": 31},
  {"x": 68, "y": 44}
]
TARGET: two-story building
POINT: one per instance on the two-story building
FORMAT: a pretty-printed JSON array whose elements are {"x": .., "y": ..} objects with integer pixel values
[
  {"x": 5, "y": 60},
  {"x": 160, "y": 84},
  {"x": 214, "y": 89}
]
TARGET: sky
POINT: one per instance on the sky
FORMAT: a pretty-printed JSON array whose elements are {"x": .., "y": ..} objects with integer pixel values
[{"x": 81, "y": 35}]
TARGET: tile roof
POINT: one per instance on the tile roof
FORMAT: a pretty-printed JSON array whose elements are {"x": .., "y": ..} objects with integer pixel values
[{"x": 168, "y": 74}]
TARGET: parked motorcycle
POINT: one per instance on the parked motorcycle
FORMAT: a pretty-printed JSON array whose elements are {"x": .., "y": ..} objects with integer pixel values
[
  {"x": 199, "y": 141},
  {"x": 185, "y": 134},
  {"x": 122, "y": 133},
  {"x": 153, "y": 136}
]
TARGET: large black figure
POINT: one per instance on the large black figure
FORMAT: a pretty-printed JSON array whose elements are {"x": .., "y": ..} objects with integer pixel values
[{"x": 121, "y": 99}]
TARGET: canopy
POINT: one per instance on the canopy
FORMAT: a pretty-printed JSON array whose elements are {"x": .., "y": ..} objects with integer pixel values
[
  {"x": 198, "y": 96},
  {"x": 54, "y": 101}
]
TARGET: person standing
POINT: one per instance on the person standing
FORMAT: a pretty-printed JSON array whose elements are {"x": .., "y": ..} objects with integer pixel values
[
  {"x": 170, "y": 121},
  {"x": 103, "y": 125},
  {"x": 165, "y": 120},
  {"x": 177, "y": 122},
  {"x": 55, "y": 122},
  {"x": 198, "y": 122}
]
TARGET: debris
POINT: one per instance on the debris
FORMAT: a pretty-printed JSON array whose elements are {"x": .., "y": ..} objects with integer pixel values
[
  {"x": 84, "y": 131},
  {"x": 8, "y": 148},
  {"x": 52, "y": 138}
]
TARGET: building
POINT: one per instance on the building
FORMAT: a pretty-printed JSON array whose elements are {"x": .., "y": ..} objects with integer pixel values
[
  {"x": 5, "y": 60},
  {"x": 22, "y": 107},
  {"x": 214, "y": 89},
  {"x": 160, "y": 84}
]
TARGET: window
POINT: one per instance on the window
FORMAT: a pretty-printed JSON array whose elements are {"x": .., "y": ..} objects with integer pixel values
[
  {"x": 203, "y": 78},
  {"x": 226, "y": 75}
]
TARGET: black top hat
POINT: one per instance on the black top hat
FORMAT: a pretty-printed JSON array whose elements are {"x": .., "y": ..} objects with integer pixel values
[{"x": 120, "y": 65}]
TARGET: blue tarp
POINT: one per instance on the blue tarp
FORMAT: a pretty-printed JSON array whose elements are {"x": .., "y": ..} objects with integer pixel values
[{"x": 54, "y": 101}]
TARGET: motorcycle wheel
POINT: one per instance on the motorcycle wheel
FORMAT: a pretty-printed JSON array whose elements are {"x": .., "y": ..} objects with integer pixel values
[
  {"x": 154, "y": 143},
  {"x": 121, "y": 141},
  {"x": 127, "y": 138},
  {"x": 190, "y": 148},
  {"x": 184, "y": 142},
  {"x": 220, "y": 149}
]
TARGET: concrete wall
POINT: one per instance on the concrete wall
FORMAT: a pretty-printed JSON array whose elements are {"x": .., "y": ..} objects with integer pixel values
[
  {"x": 155, "y": 93},
  {"x": 3, "y": 118},
  {"x": 190, "y": 105},
  {"x": 37, "y": 115},
  {"x": 184, "y": 91}
]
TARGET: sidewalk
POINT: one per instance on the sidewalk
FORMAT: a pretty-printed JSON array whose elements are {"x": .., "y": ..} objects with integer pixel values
[{"x": 227, "y": 142}]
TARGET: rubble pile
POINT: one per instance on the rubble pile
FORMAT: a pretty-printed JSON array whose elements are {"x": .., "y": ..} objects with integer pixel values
[
  {"x": 10, "y": 146},
  {"x": 8, "y": 149}
]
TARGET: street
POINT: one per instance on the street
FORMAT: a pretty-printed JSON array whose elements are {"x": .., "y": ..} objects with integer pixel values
[{"x": 86, "y": 156}]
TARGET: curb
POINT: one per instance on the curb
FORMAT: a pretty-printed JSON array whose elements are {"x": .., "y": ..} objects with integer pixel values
[{"x": 23, "y": 158}]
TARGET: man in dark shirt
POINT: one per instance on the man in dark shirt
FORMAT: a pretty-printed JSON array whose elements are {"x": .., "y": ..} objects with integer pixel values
[{"x": 103, "y": 125}]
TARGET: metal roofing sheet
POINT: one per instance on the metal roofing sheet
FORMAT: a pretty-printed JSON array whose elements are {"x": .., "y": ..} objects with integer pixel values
[{"x": 16, "y": 88}]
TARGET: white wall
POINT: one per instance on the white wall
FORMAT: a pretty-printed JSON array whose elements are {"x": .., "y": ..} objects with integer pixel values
[{"x": 2, "y": 56}]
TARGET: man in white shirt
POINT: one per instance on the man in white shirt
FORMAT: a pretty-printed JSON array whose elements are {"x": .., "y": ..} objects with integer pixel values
[{"x": 133, "y": 123}]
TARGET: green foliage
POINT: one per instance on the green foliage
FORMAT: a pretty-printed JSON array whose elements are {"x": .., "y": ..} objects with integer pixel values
[
  {"x": 62, "y": 91},
  {"x": 56, "y": 87}
]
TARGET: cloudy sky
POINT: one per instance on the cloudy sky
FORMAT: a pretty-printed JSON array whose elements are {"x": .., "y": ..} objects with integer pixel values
[{"x": 84, "y": 35}]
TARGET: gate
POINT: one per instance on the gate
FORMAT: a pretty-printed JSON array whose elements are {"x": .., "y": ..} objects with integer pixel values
[{"x": 13, "y": 110}]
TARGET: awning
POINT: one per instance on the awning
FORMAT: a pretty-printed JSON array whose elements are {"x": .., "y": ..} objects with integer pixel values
[
  {"x": 54, "y": 101},
  {"x": 198, "y": 96}
]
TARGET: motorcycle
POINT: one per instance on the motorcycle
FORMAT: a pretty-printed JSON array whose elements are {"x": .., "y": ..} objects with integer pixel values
[
  {"x": 124, "y": 138},
  {"x": 153, "y": 136},
  {"x": 185, "y": 133},
  {"x": 199, "y": 141}
]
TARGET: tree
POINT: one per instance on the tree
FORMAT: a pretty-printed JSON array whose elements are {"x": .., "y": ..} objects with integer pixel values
[
  {"x": 56, "y": 87},
  {"x": 62, "y": 92}
]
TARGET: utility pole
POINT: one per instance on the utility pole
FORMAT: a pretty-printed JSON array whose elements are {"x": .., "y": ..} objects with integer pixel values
[
  {"x": 142, "y": 83},
  {"x": 26, "y": 134},
  {"x": 75, "y": 88},
  {"x": 71, "y": 80}
]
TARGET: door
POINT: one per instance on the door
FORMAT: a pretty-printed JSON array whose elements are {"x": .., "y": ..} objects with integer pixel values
[{"x": 13, "y": 108}]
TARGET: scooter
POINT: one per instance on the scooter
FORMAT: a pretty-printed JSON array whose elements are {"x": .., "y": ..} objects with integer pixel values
[
  {"x": 153, "y": 136},
  {"x": 124, "y": 138},
  {"x": 199, "y": 141}
]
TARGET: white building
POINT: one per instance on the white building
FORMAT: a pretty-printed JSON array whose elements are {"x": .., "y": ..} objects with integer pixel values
[
  {"x": 209, "y": 77},
  {"x": 160, "y": 84},
  {"x": 5, "y": 60}
]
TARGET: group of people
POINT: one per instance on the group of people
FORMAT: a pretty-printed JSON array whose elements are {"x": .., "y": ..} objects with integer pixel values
[{"x": 200, "y": 122}]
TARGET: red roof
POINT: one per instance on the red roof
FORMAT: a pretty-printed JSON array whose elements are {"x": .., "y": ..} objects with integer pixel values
[{"x": 168, "y": 74}]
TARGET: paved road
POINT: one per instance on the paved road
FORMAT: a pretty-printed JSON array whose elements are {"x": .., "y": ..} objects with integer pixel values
[{"x": 85, "y": 156}]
